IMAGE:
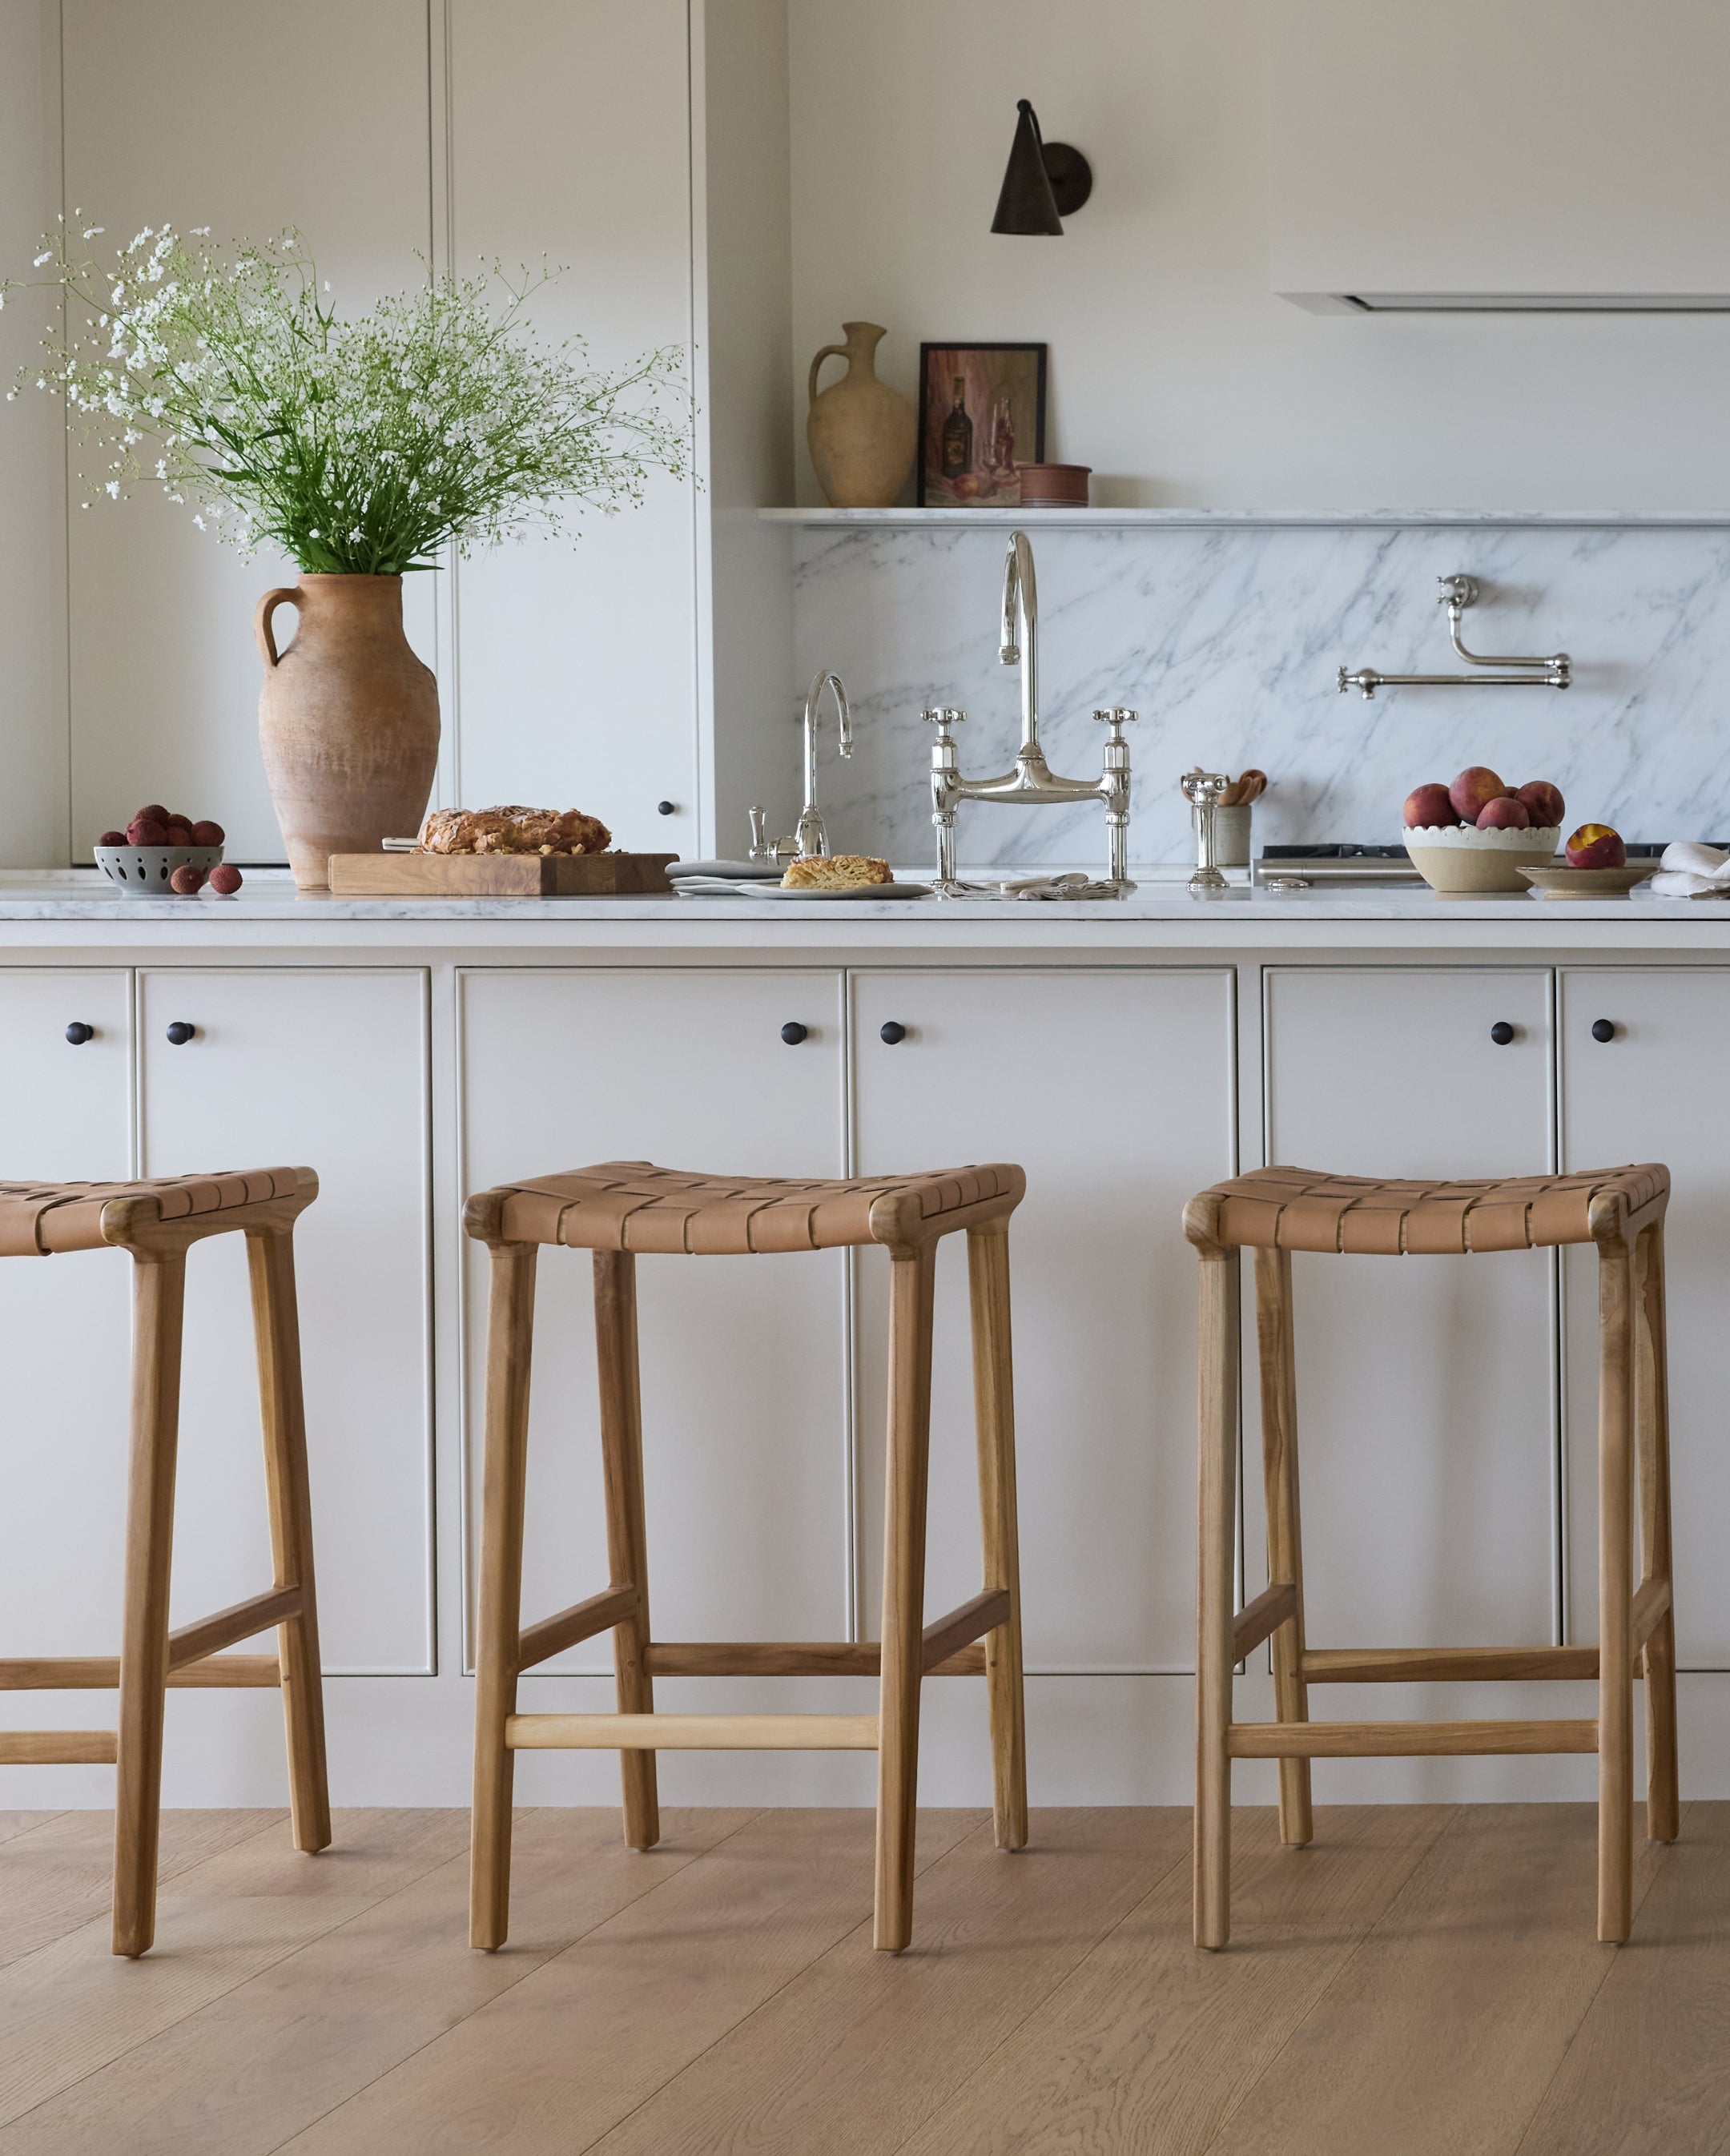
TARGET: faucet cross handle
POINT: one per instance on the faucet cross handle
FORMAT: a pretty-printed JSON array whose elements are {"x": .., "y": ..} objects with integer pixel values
[
  {"x": 942, "y": 716},
  {"x": 1115, "y": 718}
]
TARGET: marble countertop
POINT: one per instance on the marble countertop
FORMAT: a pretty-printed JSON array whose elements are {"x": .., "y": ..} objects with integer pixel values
[{"x": 84, "y": 910}]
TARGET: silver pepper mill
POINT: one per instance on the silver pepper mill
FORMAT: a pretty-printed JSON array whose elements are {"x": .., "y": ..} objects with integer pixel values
[{"x": 1202, "y": 789}]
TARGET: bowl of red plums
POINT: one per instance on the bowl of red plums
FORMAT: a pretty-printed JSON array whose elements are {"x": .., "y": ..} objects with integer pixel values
[
  {"x": 1597, "y": 867},
  {"x": 163, "y": 855},
  {"x": 1476, "y": 834}
]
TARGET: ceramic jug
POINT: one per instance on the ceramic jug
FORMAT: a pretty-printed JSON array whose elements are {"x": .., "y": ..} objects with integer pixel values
[
  {"x": 348, "y": 721},
  {"x": 861, "y": 432}
]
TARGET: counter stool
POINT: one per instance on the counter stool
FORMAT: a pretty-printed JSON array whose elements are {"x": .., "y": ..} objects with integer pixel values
[
  {"x": 618, "y": 1210},
  {"x": 1277, "y": 1210},
  {"x": 156, "y": 1222}
]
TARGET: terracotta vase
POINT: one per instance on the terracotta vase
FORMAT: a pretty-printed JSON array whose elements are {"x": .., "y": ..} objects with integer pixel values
[
  {"x": 348, "y": 721},
  {"x": 861, "y": 432}
]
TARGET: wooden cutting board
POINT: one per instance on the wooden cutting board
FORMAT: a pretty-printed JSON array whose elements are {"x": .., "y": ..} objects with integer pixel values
[{"x": 498, "y": 875}]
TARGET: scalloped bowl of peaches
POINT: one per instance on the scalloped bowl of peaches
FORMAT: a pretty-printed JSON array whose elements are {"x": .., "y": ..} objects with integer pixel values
[{"x": 1475, "y": 835}]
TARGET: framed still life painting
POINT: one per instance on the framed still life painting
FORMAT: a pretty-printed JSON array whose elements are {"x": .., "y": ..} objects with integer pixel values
[{"x": 982, "y": 415}]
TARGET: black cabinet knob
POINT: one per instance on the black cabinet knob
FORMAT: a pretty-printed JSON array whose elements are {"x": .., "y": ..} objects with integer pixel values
[
  {"x": 78, "y": 1033},
  {"x": 793, "y": 1032},
  {"x": 1604, "y": 1029},
  {"x": 1501, "y": 1032},
  {"x": 892, "y": 1032},
  {"x": 666, "y": 807},
  {"x": 180, "y": 1032}
]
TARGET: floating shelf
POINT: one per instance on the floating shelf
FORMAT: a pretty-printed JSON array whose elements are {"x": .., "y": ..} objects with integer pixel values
[{"x": 1182, "y": 519}]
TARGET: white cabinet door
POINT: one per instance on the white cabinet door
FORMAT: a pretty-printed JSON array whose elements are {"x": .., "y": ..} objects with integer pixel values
[
  {"x": 1655, "y": 1092},
  {"x": 328, "y": 1069},
  {"x": 65, "y": 1116},
  {"x": 1114, "y": 1091},
  {"x": 575, "y": 663},
  {"x": 1425, "y": 1404},
  {"x": 744, "y": 1408}
]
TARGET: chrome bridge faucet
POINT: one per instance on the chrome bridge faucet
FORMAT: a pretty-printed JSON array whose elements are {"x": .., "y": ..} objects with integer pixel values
[
  {"x": 811, "y": 837},
  {"x": 1032, "y": 783}
]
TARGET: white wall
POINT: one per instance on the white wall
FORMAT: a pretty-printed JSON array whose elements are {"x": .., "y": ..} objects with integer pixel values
[{"x": 1175, "y": 370}]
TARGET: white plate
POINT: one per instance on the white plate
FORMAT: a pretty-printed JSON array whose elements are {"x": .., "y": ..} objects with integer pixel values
[{"x": 844, "y": 891}]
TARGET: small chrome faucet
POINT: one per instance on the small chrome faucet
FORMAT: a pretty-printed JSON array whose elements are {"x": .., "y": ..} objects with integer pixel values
[
  {"x": 1032, "y": 783},
  {"x": 811, "y": 836}
]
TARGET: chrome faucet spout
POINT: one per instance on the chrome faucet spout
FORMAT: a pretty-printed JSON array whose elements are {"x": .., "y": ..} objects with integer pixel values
[
  {"x": 812, "y": 835},
  {"x": 1020, "y": 644}
]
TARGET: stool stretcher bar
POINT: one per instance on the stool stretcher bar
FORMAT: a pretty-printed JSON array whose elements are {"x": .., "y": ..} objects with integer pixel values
[
  {"x": 1403, "y": 1740},
  {"x": 102, "y": 1673},
  {"x": 690, "y": 1733},
  {"x": 58, "y": 1747}
]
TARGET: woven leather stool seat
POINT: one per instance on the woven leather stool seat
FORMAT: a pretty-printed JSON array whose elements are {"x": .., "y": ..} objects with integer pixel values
[
  {"x": 632, "y": 1205},
  {"x": 1293, "y": 1209},
  {"x": 1276, "y": 1213},
  {"x": 38, "y": 1218}
]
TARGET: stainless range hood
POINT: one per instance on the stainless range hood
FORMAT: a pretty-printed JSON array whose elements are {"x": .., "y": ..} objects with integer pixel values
[{"x": 1500, "y": 156}]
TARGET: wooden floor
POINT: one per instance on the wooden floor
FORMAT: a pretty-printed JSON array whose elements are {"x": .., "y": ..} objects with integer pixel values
[{"x": 1422, "y": 1980}]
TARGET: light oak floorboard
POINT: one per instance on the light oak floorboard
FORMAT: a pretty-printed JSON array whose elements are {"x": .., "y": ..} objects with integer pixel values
[
  {"x": 59, "y": 1875},
  {"x": 1650, "y": 2070},
  {"x": 851, "y": 2057},
  {"x": 16, "y": 1823},
  {"x": 1149, "y": 2042},
  {"x": 586, "y": 2038},
  {"x": 271, "y": 2056},
  {"x": 72, "y": 2006},
  {"x": 1441, "y": 2032}
]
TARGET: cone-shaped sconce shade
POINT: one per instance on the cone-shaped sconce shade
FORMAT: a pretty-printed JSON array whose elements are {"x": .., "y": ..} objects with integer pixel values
[{"x": 1027, "y": 203}]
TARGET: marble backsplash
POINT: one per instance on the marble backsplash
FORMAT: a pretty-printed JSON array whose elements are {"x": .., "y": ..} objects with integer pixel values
[{"x": 1227, "y": 637}]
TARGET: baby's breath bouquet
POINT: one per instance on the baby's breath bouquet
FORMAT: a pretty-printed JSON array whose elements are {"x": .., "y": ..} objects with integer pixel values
[{"x": 358, "y": 446}]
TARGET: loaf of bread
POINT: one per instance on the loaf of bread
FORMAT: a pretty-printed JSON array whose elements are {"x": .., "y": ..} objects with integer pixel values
[
  {"x": 838, "y": 872},
  {"x": 513, "y": 830}
]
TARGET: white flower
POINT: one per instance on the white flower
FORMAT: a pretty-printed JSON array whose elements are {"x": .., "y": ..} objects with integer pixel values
[{"x": 47, "y": 255}]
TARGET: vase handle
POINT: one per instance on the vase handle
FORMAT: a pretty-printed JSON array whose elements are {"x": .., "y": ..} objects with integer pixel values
[
  {"x": 285, "y": 595},
  {"x": 828, "y": 351}
]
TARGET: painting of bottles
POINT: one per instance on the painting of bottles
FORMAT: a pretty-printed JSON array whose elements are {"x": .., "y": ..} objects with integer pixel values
[{"x": 981, "y": 416}]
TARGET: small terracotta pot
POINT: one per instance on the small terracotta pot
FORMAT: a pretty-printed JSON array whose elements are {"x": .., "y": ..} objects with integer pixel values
[
  {"x": 862, "y": 434},
  {"x": 348, "y": 721}
]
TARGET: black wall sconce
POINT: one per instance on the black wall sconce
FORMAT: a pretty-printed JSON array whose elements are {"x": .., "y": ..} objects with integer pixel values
[{"x": 1043, "y": 183}]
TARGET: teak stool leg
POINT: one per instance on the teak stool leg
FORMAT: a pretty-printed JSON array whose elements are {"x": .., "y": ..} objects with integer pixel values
[
  {"x": 510, "y": 1327},
  {"x": 1284, "y": 1543},
  {"x": 910, "y": 1339},
  {"x": 158, "y": 1301},
  {"x": 1652, "y": 1423},
  {"x": 1615, "y": 1591},
  {"x": 627, "y": 1531},
  {"x": 276, "y": 1325},
  {"x": 1217, "y": 1385},
  {"x": 995, "y": 1414}
]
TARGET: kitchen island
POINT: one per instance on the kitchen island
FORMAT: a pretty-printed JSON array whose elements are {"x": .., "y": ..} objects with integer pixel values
[{"x": 1126, "y": 1053}]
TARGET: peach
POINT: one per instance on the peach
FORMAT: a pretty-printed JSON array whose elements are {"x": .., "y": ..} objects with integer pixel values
[
  {"x": 112, "y": 838},
  {"x": 154, "y": 813},
  {"x": 225, "y": 879},
  {"x": 143, "y": 831},
  {"x": 207, "y": 834},
  {"x": 1430, "y": 804},
  {"x": 1596, "y": 846},
  {"x": 187, "y": 880},
  {"x": 1545, "y": 802},
  {"x": 1507, "y": 812},
  {"x": 1475, "y": 785}
]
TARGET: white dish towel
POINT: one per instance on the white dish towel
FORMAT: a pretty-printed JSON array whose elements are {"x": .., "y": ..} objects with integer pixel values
[{"x": 1690, "y": 869}]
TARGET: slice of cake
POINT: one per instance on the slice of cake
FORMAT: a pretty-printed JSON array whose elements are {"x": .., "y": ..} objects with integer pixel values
[{"x": 835, "y": 872}]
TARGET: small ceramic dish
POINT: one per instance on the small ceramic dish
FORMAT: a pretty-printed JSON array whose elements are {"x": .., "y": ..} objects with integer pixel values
[
  {"x": 1555, "y": 881},
  {"x": 143, "y": 871},
  {"x": 1459, "y": 861}
]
